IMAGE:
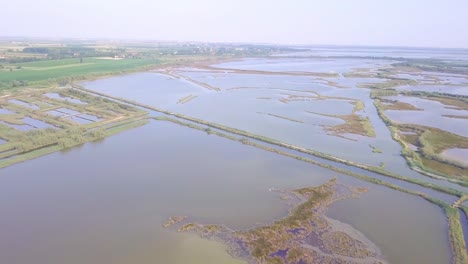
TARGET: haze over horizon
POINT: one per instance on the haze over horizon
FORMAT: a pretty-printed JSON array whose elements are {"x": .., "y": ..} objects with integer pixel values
[{"x": 417, "y": 23}]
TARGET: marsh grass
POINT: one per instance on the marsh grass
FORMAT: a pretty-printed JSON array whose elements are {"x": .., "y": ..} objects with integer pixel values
[
  {"x": 359, "y": 105},
  {"x": 186, "y": 99},
  {"x": 431, "y": 142},
  {"x": 399, "y": 106},
  {"x": 456, "y": 237},
  {"x": 354, "y": 124}
]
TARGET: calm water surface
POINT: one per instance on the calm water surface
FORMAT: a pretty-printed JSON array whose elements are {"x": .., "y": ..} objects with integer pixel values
[
  {"x": 433, "y": 115},
  {"x": 105, "y": 202}
]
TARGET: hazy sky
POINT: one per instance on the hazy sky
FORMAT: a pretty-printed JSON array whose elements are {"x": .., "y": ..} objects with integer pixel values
[{"x": 434, "y": 23}]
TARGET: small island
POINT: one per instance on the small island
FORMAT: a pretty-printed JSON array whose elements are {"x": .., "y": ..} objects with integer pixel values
[{"x": 306, "y": 235}]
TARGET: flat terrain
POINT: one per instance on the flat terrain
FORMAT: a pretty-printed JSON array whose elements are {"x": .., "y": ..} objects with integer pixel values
[
  {"x": 394, "y": 125},
  {"x": 64, "y": 68}
]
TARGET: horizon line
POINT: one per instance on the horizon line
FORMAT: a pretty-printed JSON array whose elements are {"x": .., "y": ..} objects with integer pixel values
[{"x": 143, "y": 40}]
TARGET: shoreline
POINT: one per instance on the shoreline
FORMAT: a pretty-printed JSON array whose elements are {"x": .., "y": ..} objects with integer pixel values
[
  {"x": 305, "y": 234},
  {"x": 243, "y": 133}
]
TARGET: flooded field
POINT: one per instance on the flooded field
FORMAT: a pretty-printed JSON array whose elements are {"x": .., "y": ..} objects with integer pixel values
[
  {"x": 74, "y": 115},
  {"x": 64, "y": 98},
  {"x": 25, "y": 104}
]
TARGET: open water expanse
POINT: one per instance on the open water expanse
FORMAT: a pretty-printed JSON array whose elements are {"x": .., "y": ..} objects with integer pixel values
[{"x": 105, "y": 202}]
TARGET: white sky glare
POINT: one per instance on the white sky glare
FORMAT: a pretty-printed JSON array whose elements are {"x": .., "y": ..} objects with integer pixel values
[{"x": 424, "y": 23}]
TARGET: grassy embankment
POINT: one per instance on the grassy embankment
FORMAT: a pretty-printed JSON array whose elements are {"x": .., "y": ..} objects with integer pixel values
[
  {"x": 456, "y": 237},
  {"x": 354, "y": 123},
  {"x": 430, "y": 143}
]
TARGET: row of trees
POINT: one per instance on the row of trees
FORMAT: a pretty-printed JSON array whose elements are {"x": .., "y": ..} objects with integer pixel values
[
  {"x": 74, "y": 51},
  {"x": 45, "y": 137},
  {"x": 14, "y": 83},
  {"x": 14, "y": 59}
]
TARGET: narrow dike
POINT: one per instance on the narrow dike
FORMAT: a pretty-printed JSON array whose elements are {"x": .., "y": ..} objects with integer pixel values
[
  {"x": 464, "y": 225},
  {"x": 375, "y": 170}
]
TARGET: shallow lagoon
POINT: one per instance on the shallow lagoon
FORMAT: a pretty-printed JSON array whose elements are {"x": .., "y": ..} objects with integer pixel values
[
  {"x": 105, "y": 202},
  {"x": 433, "y": 115},
  {"x": 24, "y": 104},
  {"x": 324, "y": 65},
  {"x": 73, "y": 115},
  {"x": 149, "y": 88},
  {"x": 245, "y": 100}
]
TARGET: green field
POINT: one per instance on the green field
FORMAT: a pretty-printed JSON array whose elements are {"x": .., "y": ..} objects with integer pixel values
[{"x": 57, "y": 69}]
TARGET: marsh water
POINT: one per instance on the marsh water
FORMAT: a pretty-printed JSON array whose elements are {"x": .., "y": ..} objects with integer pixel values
[
  {"x": 105, "y": 202},
  {"x": 432, "y": 113},
  {"x": 460, "y": 155}
]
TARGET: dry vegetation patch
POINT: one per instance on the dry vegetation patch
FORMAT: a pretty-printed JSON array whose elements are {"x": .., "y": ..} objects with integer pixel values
[{"x": 304, "y": 236}]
